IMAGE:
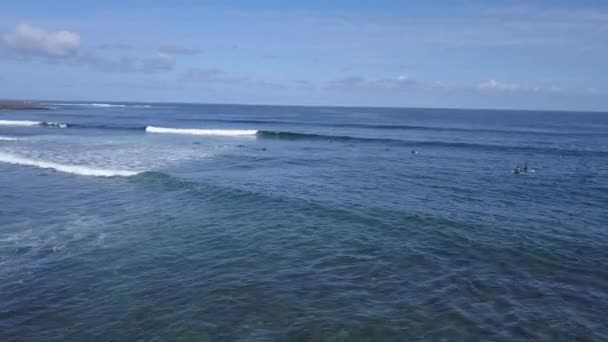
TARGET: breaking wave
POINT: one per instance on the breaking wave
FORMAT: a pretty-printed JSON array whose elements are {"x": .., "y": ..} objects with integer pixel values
[
  {"x": 106, "y": 105},
  {"x": 298, "y": 136},
  {"x": 54, "y": 124},
  {"x": 73, "y": 169},
  {"x": 30, "y": 123},
  {"x": 193, "y": 131},
  {"x": 293, "y": 136},
  {"x": 19, "y": 123},
  {"x": 7, "y": 139},
  {"x": 279, "y": 135},
  {"x": 100, "y": 105}
]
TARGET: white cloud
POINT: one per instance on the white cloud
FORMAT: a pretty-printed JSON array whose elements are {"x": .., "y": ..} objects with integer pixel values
[
  {"x": 400, "y": 82},
  {"x": 556, "y": 89},
  {"x": 179, "y": 50},
  {"x": 497, "y": 85},
  {"x": 592, "y": 90},
  {"x": 160, "y": 62},
  {"x": 125, "y": 63},
  {"x": 211, "y": 75},
  {"x": 114, "y": 46},
  {"x": 203, "y": 75},
  {"x": 98, "y": 62},
  {"x": 31, "y": 40}
]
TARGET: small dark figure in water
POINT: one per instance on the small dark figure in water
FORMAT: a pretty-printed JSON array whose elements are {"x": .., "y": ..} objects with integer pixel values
[
  {"x": 264, "y": 149},
  {"x": 196, "y": 143},
  {"x": 526, "y": 167},
  {"x": 518, "y": 169},
  {"x": 414, "y": 152},
  {"x": 240, "y": 145}
]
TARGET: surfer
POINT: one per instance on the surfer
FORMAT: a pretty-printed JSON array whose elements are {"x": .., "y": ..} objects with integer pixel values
[
  {"x": 523, "y": 170},
  {"x": 517, "y": 170}
]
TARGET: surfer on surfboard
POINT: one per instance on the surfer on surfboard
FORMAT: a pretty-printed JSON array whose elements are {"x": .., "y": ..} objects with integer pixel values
[{"x": 522, "y": 170}]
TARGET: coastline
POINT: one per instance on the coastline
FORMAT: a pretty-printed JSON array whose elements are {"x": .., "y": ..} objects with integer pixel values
[{"x": 15, "y": 105}]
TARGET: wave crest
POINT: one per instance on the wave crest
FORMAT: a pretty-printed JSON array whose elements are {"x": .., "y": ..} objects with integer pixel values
[
  {"x": 31, "y": 123},
  {"x": 20, "y": 123},
  {"x": 54, "y": 124},
  {"x": 194, "y": 131},
  {"x": 100, "y": 105},
  {"x": 73, "y": 169},
  {"x": 106, "y": 105}
]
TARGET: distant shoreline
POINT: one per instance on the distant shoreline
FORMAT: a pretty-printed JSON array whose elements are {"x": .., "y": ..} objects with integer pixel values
[{"x": 12, "y": 105}]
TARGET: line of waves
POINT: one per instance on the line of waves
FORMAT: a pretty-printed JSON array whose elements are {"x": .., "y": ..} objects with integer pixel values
[
  {"x": 291, "y": 136},
  {"x": 30, "y": 123},
  {"x": 321, "y": 124},
  {"x": 19, "y": 123},
  {"x": 157, "y": 129},
  {"x": 398, "y": 127},
  {"x": 73, "y": 169},
  {"x": 8, "y": 139},
  {"x": 192, "y": 131},
  {"x": 295, "y": 136},
  {"x": 108, "y": 127},
  {"x": 99, "y": 105}
]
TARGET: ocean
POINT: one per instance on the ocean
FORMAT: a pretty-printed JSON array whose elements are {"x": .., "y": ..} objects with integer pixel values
[{"x": 169, "y": 222}]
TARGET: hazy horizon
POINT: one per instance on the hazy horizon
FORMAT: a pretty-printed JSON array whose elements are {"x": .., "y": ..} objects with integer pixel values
[
  {"x": 541, "y": 55},
  {"x": 42, "y": 101}
]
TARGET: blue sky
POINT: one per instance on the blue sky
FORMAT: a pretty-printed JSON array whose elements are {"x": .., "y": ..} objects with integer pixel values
[{"x": 466, "y": 54}]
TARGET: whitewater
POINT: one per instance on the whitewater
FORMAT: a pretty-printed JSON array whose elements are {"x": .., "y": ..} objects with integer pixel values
[
  {"x": 194, "y": 131},
  {"x": 247, "y": 223},
  {"x": 73, "y": 169}
]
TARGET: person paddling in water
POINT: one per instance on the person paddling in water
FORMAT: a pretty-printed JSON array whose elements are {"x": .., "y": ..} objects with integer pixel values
[{"x": 521, "y": 170}]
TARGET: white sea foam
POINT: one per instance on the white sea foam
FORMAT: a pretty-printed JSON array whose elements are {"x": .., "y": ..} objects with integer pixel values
[
  {"x": 74, "y": 169},
  {"x": 8, "y": 139},
  {"x": 55, "y": 124},
  {"x": 106, "y": 105},
  {"x": 30, "y": 123},
  {"x": 20, "y": 123},
  {"x": 193, "y": 131},
  {"x": 98, "y": 105}
]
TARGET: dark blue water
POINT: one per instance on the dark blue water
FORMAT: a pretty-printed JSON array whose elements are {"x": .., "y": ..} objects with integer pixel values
[{"x": 302, "y": 224}]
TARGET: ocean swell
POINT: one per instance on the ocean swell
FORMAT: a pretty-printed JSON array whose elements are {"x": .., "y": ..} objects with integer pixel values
[
  {"x": 293, "y": 136},
  {"x": 31, "y": 123},
  {"x": 194, "y": 131},
  {"x": 19, "y": 123},
  {"x": 100, "y": 105},
  {"x": 73, "y": 169}
]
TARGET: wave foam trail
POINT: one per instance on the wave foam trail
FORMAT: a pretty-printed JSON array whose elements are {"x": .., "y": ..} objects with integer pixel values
[
  {"x": 30, "y": 123},
  {"x": 96, "y": 105},
  {"x": 54, "y": 124},
  {"x": 74, "y": 169},
  {"x": 193, "y": 131},
  {"x": 19, "y": 123},
  {"x": 7, "y": 139},
  {"x": 106, "y": 105}
]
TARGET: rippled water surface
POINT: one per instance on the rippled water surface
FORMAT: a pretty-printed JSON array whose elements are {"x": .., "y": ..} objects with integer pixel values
[{"x": 164, "y": 222}]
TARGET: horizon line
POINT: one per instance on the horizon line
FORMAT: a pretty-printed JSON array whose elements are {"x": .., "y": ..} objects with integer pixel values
[{"x": 41, "y": 101}]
